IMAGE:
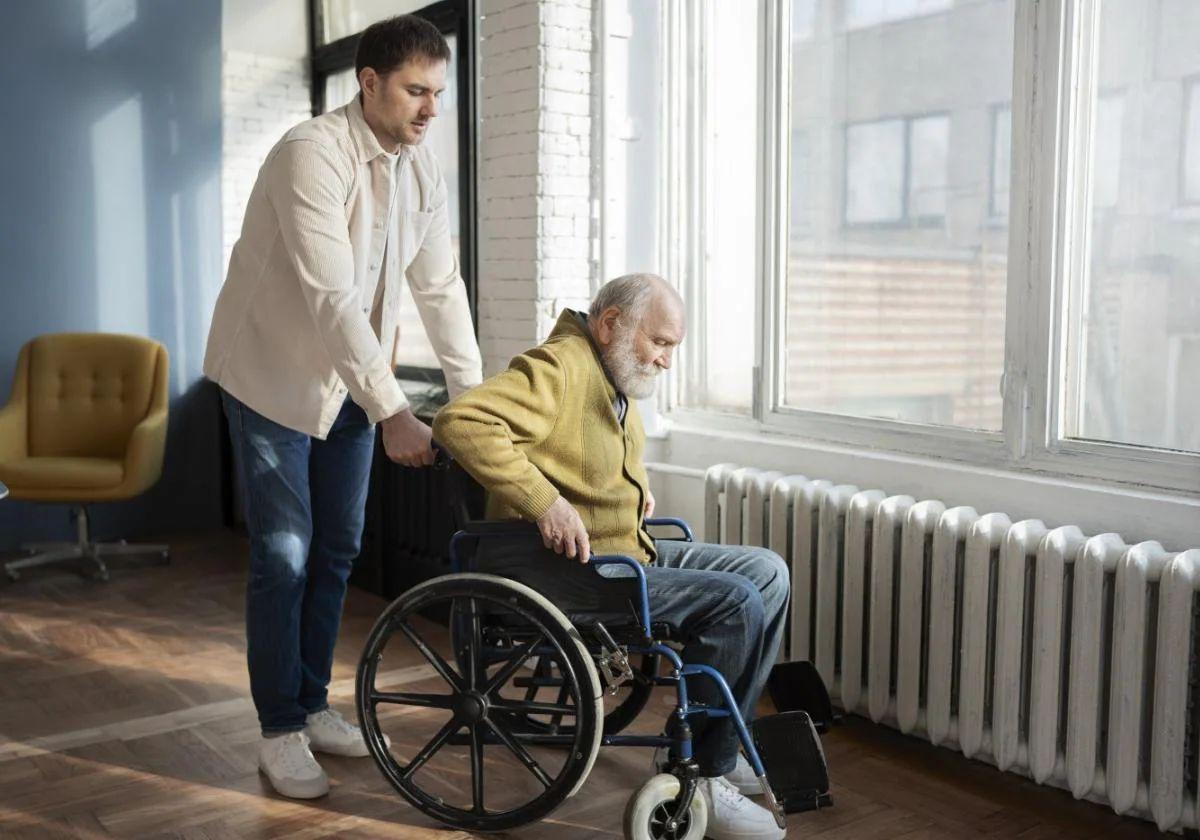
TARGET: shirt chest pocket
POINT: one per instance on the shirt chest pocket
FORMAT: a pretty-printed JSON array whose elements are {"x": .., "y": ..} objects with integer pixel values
[{"x": 410, "y": 235}]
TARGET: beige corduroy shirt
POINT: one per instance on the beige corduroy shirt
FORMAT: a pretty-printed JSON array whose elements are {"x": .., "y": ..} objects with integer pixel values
[{"x": 333, "y": 226}]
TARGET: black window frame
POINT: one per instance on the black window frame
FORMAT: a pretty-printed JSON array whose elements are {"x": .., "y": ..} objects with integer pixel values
[{"x": 451, "y": 17}]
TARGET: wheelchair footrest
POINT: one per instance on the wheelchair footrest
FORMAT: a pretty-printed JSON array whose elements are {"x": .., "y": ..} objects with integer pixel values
[{"x": 791, "y": 753}]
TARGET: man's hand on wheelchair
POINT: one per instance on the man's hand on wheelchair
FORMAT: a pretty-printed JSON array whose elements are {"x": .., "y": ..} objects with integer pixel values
[
  {"x": 407, "y": 440},
  {"x": 564, "y": 532},
  {"x": 648, "y": 510}
]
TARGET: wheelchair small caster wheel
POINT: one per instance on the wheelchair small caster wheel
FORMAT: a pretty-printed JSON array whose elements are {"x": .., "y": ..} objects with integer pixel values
[{"x": 650, "y": 812}]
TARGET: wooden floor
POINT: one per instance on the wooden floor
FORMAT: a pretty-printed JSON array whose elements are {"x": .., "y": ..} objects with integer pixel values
[{"x": 125, "y": 711}]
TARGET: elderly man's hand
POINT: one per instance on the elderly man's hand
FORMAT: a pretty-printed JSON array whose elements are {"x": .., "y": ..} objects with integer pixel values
[
  {"x": 648, "y": 511},
  {"x": 563, "y": 530}
]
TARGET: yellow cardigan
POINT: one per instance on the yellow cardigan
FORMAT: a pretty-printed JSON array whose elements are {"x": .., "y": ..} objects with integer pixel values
[{"x": 546, "y": 426}]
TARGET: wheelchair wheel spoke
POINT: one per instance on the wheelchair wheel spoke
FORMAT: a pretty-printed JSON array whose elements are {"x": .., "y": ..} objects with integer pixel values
[
  {"x": 474, "y": 644},
  {"x": 520, "y": 752},
  {"x": 526, "y": 708},
  {"x": 519, "y": 657},
  {"x": 563, "y": 693},
  {"x": 477, "y": 769},
  {"x": 429, "y": 750},
  {"x": 431, "y": 655},
  {"x": 399, "y": 698}
]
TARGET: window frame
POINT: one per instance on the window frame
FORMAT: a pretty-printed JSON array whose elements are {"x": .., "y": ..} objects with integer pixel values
[
  {"x": 451, "y": 17},
  {"x": 1055, "y": 55}
]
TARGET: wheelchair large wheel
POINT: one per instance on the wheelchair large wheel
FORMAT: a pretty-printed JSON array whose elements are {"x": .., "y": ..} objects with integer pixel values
[{"x": 455, "y": 752}]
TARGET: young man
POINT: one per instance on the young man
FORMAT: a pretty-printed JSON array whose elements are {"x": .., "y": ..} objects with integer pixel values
[
  {"x": 557, "y": 439},
  {"x": 305, "y": 330}
]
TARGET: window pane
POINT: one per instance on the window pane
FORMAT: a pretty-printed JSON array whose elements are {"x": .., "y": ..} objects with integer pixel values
[
  {"x": 875, "y": 172},
  {"x": 442, "y": 138},
  {"x": 896, "y": 280},
  {"x": 1106, "y": 170},
  {"x": 1134, "y": 320},
  {"x": 632, "y": 172},
  {"x": 1192, "y": 145},
  {"x": 349, "y": 17},
  {"x": 870, "y": 12},
  {"x": 340, "y": 88},
  {"x": 929, "y": 139},
  {"x": 720, "y": 351},
  {"x": 1001, "y": 160}
]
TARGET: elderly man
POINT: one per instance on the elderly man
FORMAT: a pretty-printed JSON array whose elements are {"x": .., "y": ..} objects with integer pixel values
[{"x": 557, "y": 439}]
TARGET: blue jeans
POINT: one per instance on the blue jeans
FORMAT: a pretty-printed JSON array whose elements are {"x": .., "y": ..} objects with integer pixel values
[
  {"x": 728, "y": 604},
  {"x": 305, "y": 500}
]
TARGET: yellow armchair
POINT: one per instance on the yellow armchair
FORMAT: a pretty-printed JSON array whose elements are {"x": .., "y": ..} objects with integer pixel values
[{"x": 86, "y": 422}]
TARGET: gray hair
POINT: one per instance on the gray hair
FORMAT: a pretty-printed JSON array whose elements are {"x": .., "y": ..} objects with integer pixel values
[{"x": 631, "y": 294}]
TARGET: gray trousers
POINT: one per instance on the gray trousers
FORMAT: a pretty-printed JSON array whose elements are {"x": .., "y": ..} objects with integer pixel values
[{"x": 728, "y": 604}]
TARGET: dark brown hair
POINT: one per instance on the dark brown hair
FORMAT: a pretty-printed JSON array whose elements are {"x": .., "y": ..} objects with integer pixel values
[{"x": 390, "y": 43}]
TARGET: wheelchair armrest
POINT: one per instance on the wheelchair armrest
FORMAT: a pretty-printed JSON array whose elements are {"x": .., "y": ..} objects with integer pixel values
[
  {"x": 672, "y": 522},
  {"x": 643, "y": 605}
]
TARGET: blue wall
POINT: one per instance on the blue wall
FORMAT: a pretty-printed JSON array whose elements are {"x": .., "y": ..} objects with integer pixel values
[{"x": 110, "y": 217}]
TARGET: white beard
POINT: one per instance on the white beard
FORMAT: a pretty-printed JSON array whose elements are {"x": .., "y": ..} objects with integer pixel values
[{"x": 632, "y": 378}]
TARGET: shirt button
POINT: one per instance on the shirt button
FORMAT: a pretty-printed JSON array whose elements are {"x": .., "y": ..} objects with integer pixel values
[
  {"x": 374, "y": 266},
  {"x": 366, "y": 309}
]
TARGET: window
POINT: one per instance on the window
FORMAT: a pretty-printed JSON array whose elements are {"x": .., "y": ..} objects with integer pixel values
[
  {"x": 968, "y": 239},
  {"x": 1106, "y": 158},
  {"x": 1132, "y": 312},
  {"x": 861, "y": 13},
  {"x": 896, "y": 170},
  {"x": 898, "y": 312},
  {"x": 1191, "y": 143},
  {"x": 336, "y": 25},
  {"x": 1001, "y": 161}
]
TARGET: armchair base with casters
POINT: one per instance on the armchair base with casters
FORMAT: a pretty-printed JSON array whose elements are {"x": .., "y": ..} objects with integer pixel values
[
  {"x": 92, "y": 553},
  {"x": 86, "y": 423}
]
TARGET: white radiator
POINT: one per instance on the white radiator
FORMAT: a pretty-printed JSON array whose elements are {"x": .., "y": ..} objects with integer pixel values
[{"x": 1065, "y": 658}]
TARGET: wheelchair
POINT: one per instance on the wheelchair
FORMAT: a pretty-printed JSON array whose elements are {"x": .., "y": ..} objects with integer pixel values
[{"x": 530, "y": 666}]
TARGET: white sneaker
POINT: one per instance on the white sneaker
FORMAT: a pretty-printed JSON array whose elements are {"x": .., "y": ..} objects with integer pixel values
[
  {"x": 331, "y": 733},
  {"x": 732, "y": 816},
  {"x": 742, "y": 777},
  {"x": 289, "y": 766}
]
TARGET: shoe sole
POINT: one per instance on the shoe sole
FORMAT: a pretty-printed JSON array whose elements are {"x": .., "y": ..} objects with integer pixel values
[{"x": 295, "y": 789}]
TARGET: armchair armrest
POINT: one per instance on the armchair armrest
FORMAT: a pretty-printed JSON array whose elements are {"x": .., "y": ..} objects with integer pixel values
[
  {"x": 14, "y": 431},
  {"x": 144, "y": 453}
]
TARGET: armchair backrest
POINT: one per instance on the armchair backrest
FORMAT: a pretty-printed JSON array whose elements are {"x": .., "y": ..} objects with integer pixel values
[{"x": 86, "y": 391}]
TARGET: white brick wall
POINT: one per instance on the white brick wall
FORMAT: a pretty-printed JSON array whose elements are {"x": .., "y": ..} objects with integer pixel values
[
  {"x": 261, "y": 98},
  {"x": 535, "y": 171}
]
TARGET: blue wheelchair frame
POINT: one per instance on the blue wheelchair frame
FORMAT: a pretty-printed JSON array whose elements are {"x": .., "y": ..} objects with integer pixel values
[{"x": 680, "y": 670}]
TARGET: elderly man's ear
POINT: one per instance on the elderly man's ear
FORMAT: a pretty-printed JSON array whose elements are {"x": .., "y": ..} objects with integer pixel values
[{"x": 606, "y": 325}]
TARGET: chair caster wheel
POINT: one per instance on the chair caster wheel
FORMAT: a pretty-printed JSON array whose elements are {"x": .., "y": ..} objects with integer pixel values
[{"x": 649, "y": 812}]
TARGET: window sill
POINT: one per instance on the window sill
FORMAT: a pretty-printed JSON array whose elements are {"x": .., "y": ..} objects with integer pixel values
[{"x": 1137, "y": 513}]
